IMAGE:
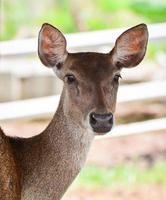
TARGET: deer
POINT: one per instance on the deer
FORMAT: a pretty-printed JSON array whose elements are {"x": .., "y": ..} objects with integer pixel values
[{"x": 42, "y": 167}]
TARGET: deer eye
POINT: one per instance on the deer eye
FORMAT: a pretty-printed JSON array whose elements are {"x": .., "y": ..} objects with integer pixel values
[
  {"x": 69, "y": 78},
  {"x": 116, "y": 77}
]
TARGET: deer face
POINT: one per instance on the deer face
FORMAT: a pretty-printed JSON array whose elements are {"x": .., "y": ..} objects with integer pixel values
[{"x": 91, "y": 79}]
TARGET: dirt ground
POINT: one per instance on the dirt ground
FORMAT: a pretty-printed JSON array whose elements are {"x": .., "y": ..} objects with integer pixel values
[
  {"x": 144, "y": 149},
  {"x": 152, "y": 192}
]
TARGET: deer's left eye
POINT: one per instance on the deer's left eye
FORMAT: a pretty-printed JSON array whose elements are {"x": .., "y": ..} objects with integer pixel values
[
  {"x": 116, "y": 77},
  {"x": 70, "y": 78}
]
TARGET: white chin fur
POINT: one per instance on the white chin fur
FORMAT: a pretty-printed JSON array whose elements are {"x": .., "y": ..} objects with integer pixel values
[{"x": 55, "y": 69}]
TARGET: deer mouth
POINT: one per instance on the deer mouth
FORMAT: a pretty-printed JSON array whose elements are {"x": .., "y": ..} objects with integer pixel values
[{"x": 102, "y": 130}]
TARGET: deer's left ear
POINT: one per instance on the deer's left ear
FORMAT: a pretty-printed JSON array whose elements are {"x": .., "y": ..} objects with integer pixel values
[
  {"x": 51, "y": 46},
  {"x": 130, "y": 47}
]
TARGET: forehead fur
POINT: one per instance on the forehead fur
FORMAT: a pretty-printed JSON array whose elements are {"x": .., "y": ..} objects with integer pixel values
[{"x": 91, "y": 65}]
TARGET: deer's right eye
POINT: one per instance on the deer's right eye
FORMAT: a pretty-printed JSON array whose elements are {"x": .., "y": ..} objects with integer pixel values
[{"x": 70, "y": 79}]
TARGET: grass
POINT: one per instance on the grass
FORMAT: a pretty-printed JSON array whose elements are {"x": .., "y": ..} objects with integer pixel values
[{"x": 124, "y": 175}]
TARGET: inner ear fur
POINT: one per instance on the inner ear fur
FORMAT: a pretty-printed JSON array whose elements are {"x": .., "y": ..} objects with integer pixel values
[
  {"x": 51, "y": 46},
  {"x": 130, "y": 47}
]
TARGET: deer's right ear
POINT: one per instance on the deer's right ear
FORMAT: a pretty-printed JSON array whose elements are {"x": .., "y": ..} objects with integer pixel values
[{"x": 51, "y": 46}]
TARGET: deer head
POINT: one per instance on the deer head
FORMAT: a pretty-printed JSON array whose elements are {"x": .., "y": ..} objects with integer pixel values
[{"x": 91, "y": 79}]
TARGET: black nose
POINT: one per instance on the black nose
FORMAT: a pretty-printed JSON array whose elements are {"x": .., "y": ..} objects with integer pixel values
[{"x": 101, "y": 123}]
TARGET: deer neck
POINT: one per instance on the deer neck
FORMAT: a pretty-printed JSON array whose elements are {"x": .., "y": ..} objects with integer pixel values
[
  {"x": 68, "y": 138},
  {"x": 51, "y": 160}
]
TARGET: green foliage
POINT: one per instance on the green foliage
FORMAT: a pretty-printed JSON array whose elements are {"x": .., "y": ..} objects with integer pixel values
[
  {"x": 97, "y": 24},
  {"x": 155, "y": 47},
  {"x": 15, "y": 15},
  {"x": 154, "y": 11},
  {"x": 127, "y": 175},
  {"x": 9, "y": 28},
  {"x": 59, "y": 18},
  {"x": 108, "y": 5}
]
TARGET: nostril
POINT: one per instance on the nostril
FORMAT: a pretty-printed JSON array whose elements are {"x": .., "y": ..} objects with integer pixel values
[
  {"x": 110, "y": 120},
  {"x": 92, "y": 119}
]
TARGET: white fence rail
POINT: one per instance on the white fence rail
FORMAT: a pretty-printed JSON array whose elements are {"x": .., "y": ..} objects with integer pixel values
[{"x": 84, "y": 40}]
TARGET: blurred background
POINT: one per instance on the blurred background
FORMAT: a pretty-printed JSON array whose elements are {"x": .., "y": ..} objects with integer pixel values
[{"x": 131, "y": 161}]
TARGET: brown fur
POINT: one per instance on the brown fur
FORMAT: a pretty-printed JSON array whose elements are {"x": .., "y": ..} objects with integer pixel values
[
  {"x": 50, "y": 161},
  {"x": 9, "y": 174}
]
